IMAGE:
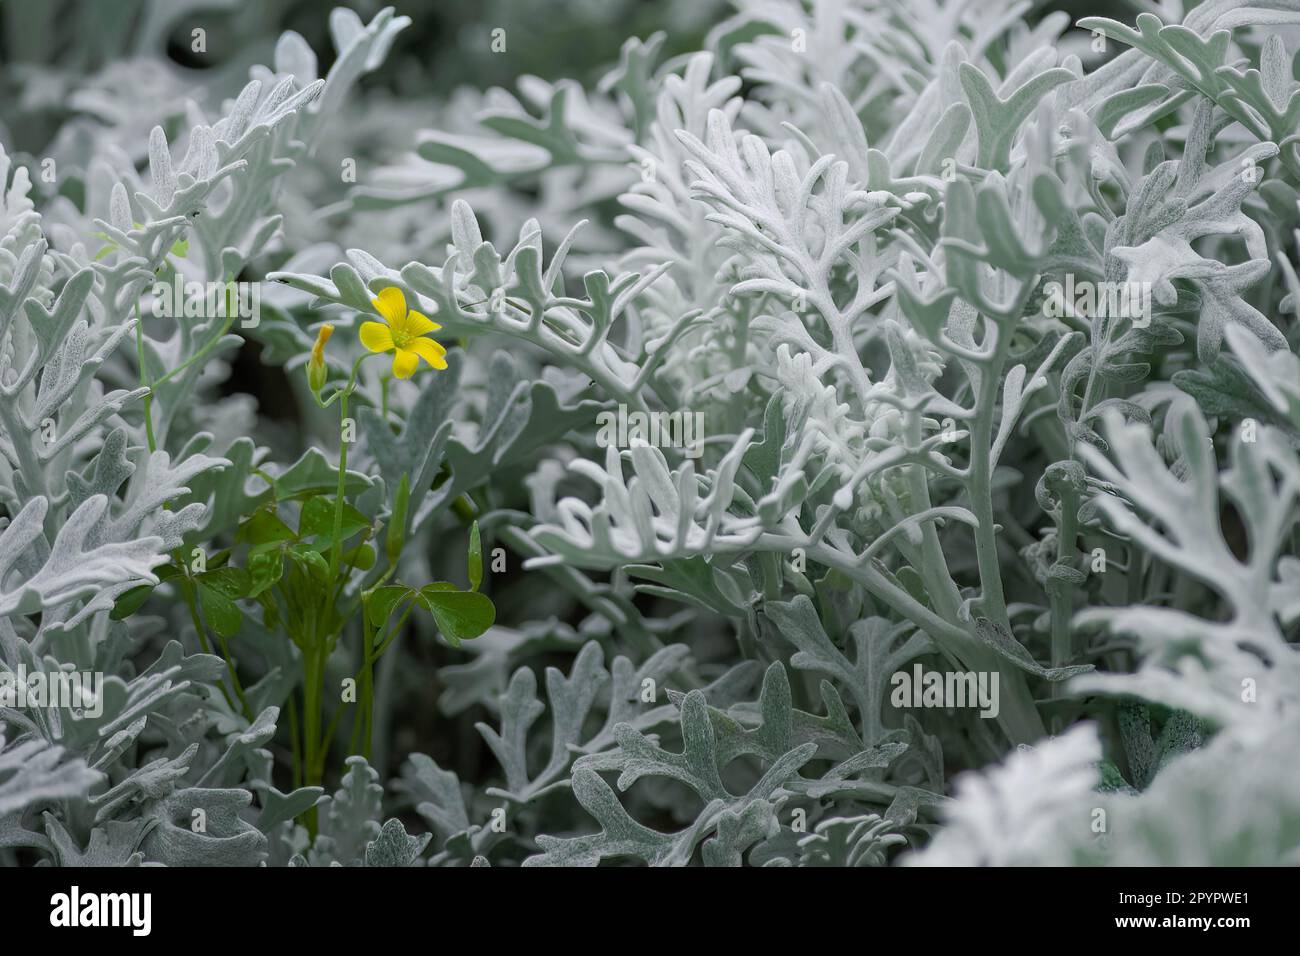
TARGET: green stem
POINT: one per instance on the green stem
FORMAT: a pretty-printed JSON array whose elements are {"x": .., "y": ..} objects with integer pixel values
[
  {"x": 197, "y": 621},
  {"x": 393, "y": 632},
  {"x": 368, "y": 692},
  {"x": 208, "y": 347},
  {"x": 338, "y": 497},
  {"x": 234, "y": 678},
  {"x": 365, "y": 678},
  {"x": 312, "y": 687},
  {"x": 371, "y": 655}
]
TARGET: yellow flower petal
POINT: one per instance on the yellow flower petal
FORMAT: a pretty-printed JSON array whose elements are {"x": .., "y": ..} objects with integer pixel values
[
  {"x": 416, "y": 323},
  {"x": 431, "y": 351},
  {"x": 391, "y": 304},
  {"x": 405, "y": 362},
  {"x": 376, "y": 336}
]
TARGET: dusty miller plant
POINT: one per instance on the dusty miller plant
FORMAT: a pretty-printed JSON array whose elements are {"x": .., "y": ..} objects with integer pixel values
[{"x": 833, "y": 234}]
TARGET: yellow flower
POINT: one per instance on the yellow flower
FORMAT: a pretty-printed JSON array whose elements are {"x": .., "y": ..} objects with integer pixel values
[{"x": 403, "y": 335}]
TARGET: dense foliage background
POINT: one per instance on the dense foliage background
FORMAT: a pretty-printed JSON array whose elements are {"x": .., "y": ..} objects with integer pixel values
[{"x": 829, "y": 229}]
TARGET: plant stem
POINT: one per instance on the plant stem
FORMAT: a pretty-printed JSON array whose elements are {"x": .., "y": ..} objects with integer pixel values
[
  {"x": 364, "y": 675},
  {"x": 1017, "y": 715},
  {"x": 234, "y": 677},
  {"x": 934, "y": 566},
  {"x": 312, "y": 687},
  {"x": 148, "y": 399},
  {"x": 1060, "y": 592},
  {"x": 980, "y": 485},
  {"x": 201, "y": 353},
  {"x": 197, "y": 621},
  {"x": 295, "y": 740},
  {"x": 338, "y": 497}
]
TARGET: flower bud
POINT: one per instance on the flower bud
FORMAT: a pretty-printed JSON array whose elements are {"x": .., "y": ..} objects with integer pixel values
[{"x": 317, "y": 371}]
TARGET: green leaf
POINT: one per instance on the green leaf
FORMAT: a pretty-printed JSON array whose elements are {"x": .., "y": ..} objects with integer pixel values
[
  {"x": 263, "y": 530},
  {"x": 231, "y": 582},
  {"x": 313, "y": 473},
  {"x": 381, "y": 601},
  {"x": 132, "y": 600},
  {"x": 361, "y": 557},
  {"x": 460, "y": 615},
  {"x": 317, "y": 519},
  {"x": 219, "y": 611},
  {"x": 270, "y": 610}
]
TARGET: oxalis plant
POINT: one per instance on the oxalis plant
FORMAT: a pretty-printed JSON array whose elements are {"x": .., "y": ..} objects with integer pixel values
[{"x": 876, "y": 425}]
